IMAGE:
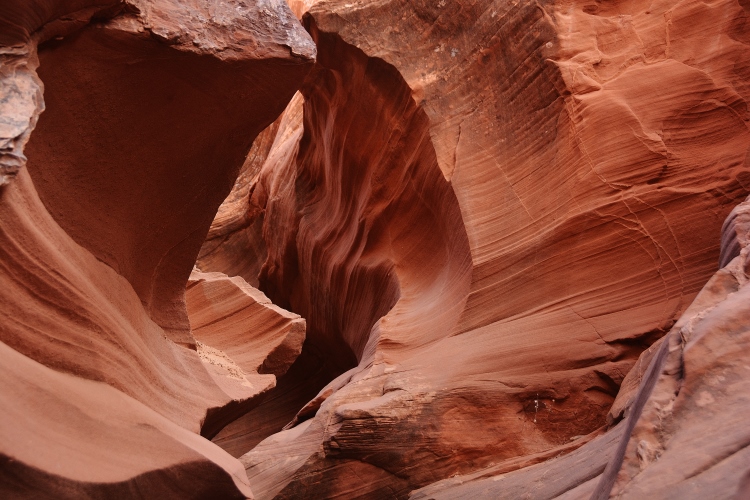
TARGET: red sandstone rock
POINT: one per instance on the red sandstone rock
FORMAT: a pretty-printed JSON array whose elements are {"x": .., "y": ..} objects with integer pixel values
[
  {"x": 683, "y": 434},
  {"x": 66, "y": 310},
  {"x": 66, "y": 437},
  {"x": 230, "y": 315},
  {"x": 561, "y": 476},
  {"x": 166, "y": 97},
  {"x": 241, "y": 335},
  {"x": 484, "y": 210},
  {"x": 592, "y": 152},
  {"x": 228, "y": 246},
  {"x": 691, "y": 438},
  {"x": 150, "y": 109}
]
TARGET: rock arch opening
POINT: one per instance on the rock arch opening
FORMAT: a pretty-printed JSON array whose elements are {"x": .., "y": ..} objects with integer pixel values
[{"x": 359, "y": 231}]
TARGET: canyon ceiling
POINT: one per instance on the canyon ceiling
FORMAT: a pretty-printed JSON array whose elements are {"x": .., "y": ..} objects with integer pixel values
[{"x": 338, "y": 249}]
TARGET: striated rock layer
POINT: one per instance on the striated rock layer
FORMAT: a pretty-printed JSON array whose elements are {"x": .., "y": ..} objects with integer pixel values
[
  {"x": 229, "y": 246},
  {"x": 683, "y": 435},
  {"x": 496, "y": 218},
  {"x": 572, "y": 164},
  {"x": 150, "y": 108},
  {"x": 689, "y": 438},
  {"x": 243, "y": 337},
  {"x": 229, "y": 314}
]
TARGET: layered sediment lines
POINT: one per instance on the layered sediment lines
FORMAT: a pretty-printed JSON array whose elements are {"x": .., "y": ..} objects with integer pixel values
[
  {"x": 125, "y": 92},
  {"x": 594, "y": 153},
  {"x": 347, "y": 255},
  {"x": 497, "y": 219},
  {"x": 245, "y": 340},
  {"x": 362, "y": 220},
  {"x": 688, "y": 437},
  {"x": 682, "y": 435},
  {"x": 238, "y": 319},
  {"x": 229, "y": 245},
  {"x": 67, "y": 437},
  {"x": 150, "y": 109}
]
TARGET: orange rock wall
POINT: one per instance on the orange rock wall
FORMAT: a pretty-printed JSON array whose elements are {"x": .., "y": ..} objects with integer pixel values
[
  {"x": 681, "y": 433},
  {"x": 594, "y": 152},
  {"x": 488, "y": 214},
  {"x": 139, "y": 142}
]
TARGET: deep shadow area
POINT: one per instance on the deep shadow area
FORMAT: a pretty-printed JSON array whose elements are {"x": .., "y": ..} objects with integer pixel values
[
  {"x": 364, "y": 235},
  {"x": 305, "y": 378}
]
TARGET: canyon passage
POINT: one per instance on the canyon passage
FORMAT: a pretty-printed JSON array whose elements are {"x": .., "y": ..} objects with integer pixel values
[{"x": 339, "y": 249}]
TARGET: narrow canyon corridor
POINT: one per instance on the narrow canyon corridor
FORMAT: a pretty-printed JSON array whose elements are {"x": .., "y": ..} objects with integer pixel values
[{"x": 316, "y": 249}]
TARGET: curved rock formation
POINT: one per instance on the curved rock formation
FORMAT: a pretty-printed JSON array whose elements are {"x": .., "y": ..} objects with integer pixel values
[
  {"x": 314, "y": 368},
  {"x": 593, "y": 151},
  {"x": 150, "y": 109},
  {"x": 370, "y": 245},
  {"x": 245, "y": 339},
  {"x": 230, "y": 246},
  {"x": 365, "y": 218},
  {"x": 689, "y": 438},
  {"x": 67, "y": 437},
  {"x": 496, "y": 218},
  {"x": 230, "y": 315},
  {"x": 177, "y": 111},
  {"x": 683, "y": 435}
]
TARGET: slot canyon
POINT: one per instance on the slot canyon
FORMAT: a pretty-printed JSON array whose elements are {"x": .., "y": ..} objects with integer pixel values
[{"x": 397, "y": 249}]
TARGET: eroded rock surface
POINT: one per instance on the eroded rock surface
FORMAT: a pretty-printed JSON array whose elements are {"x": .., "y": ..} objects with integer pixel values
[
  {"x": 496, "y": 218},
  {"x": 690, "y": 439},
  {"x": 229, "y": 246},
  {"x": 150, "y": 108},
  {"x": 144, "y": 91},
  {"x": 593, "y": 152},
  {"x": 231, "y": 315},
  {"x": 682, "y": 435},
  {"x": 245, "y": 339}
]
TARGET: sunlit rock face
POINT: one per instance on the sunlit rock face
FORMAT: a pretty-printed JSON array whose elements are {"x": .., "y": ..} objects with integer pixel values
[{"x": 149, "y": 110}]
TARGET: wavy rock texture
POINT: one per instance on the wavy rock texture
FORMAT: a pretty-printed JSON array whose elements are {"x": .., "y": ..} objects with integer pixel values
[
  {"x": 229, "y": 245},
  {"x": 67, "y": 437},
  {"x": 690, "y": 438},
  {"x": 592, "y": 151},
  {"x": 683, "y": 435},
  {"x": 179, "y": 119},
  {"x": 571, "y": 476},
  {"x": 313, "y": 369},
  {"x": 496, "y": 218},
  {"x": 230, "y": 315},
  {"x": 65, "y": 309},
  {"x": 243, "y": 337},
  {"x": 150, "y": 109}
]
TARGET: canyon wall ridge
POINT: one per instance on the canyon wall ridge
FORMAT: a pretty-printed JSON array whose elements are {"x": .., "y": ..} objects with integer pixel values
[{"x": 398, "y": 249}]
